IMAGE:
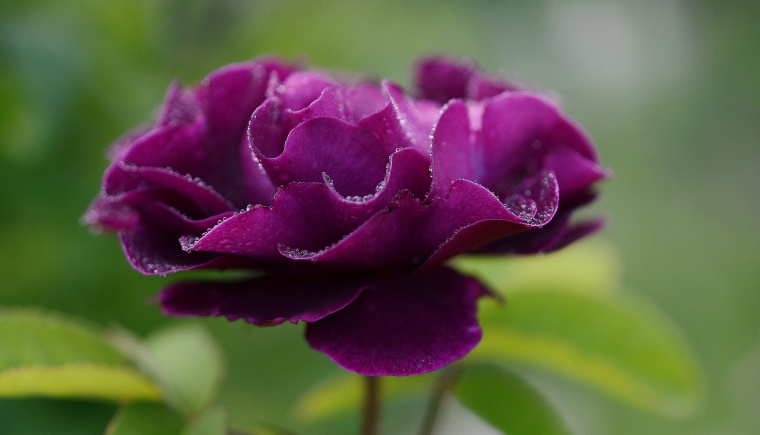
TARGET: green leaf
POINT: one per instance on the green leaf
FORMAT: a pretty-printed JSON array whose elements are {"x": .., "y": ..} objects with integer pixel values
[
  {"x": 119, "y": 384},
  {"x": 583, "y": 268},
  {"x": 212, "y": 421},
  {"x": 146, "y": 419},
  {"x": 30, "y": 337},
  {"x": 616, "y": 344},
  {"x": 507, "y": 402},
  {"x": 183, "y": 359},
  {"x": 345, "y": 392},
  {"x": 52, "y": 355}
]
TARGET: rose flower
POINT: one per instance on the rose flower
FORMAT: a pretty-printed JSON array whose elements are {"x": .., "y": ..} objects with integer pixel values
[{"x": 344, "y": 199}]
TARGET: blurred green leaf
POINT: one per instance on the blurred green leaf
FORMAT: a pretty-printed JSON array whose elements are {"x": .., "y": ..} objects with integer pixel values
[
  {"x": 51, "y": 355},
  {"x": 507, "y": 402},
  {"x": 618, "y": 345},
  {"x": 183, "y": 359},
  {"x": 120, "y": 384},
  {"x": 584, "y": 268},
  {"x": 146, "y": 419},
  {"x": 345, "y": 393},
  {"x": 212, "y": 421},
  {"x": 29, "y": 337}
]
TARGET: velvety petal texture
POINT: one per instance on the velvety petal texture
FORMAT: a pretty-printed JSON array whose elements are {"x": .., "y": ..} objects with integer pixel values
[
  {"x": 404, "y": 325},
  {"x": 344, "y": 198}
]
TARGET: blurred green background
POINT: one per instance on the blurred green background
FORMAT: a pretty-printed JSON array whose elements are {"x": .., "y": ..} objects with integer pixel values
[{"x": 669, "y": 90}]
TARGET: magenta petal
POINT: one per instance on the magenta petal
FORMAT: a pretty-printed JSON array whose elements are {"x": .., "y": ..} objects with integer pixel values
[
  {"x": 194, "y": 190},
  {"x": 152, "y": 250},
  {"x": 441, "y": 79},
  {"x": 482, "y": 87},
  {"x": 300, "y": 89},
  {"x": 180, "y": 106},
  {"x": 386, "y": 240},
  {"x": 471, "y": 217},
  {"x": 229, "y": 95},
  {"x": 105, "y": 213},
  {"x": 267, "y": 300},
  {"x": 180, "y": 147},
  {"x": 331, "y": 103},
  {"x": 304, "y": 216},
  {"x": 454, "y": 155},
  {"x": 519, "y": 130},
  {"x": 364, "y": 99},
  {"x": 348, "y": 154},
  {"x": 407, "y": 171},
  {"x": 409, "y": 325},
  {"x": 575, "y": 174}
]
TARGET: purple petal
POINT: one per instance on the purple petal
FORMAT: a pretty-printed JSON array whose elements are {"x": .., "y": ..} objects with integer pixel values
[
  {"x": 266, "y": 135},
  {"x": 558, "y": 233},
  {"x": 519, "y": 130},
  {"x": 300, "y": 89},
  {"x": 482, "y": 87},
  {"x": 402, "y": 123},
  {"x": 180, "y": 106},
  {"x": 331, "y": 103},
  {"x": 352, "y": 158},
  {"x": 153, "y": 250},
  {"x": 441, "y": 79},
  {"x": 386, "y": 240},
  {"x": 180, "y": 147},
  {"x": 407, "y": 171},
  {"x": 454, "y": 155},
  {"x": 229, "y": 96},
  {"x": 365, "y": 99},
  {"x": 409, "y": 325},
  {"x": 267, "y": 300},
  {"x": 203, "y": 196},
  {"x": 106, "y": 214},
  {"x": 254, "y": 181},
  {"x": 471, "y": 217},
  {"x": 575, "y": 174},
  {"x": 304, "y": 216}
]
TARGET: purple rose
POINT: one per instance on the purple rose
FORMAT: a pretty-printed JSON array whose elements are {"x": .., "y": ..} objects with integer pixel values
[{"x": 345, "y": 199}]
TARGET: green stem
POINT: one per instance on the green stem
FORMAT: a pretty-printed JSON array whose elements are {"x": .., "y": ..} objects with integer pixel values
[
  {"x": 445, "y": 381},
  {"x": 371, "y": 405}
]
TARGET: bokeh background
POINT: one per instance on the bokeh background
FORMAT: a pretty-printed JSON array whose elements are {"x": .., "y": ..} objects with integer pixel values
[{"x": 669, "y": 90}]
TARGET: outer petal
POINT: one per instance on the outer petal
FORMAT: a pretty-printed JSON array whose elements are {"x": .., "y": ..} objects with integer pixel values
[
  {"x": 192, "y": 190},
  {"x": 153, "y": 250},
  {"x": 267, "y": 300},
  {"x": 404, "y": 326},
  {"x": 475, "y": 218},
  {"x": 520, "y": 130},
  {"x": 443, "y": 79},
  {"x": 229, "y": 95},
  {"x": 575, "y": 174},
  {"x": 555, "y": 235}
]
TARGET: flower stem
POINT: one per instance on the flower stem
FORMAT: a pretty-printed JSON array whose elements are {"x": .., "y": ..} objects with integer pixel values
[
  {"x": 445, "y": 381},
  {"x": 371, "y": 405}
]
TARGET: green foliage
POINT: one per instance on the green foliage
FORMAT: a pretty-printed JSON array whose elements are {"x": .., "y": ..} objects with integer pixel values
[
  {"x": 615, "y": 344},
  {"x": 508, "y": 402},
  {"x": 49, "y": 355},
  {"x": 146, "y": 419},
  {"x": 212, "y": 421},
  {"x": 184, "y": 361},
  {"x": 45, "y": 354}
]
